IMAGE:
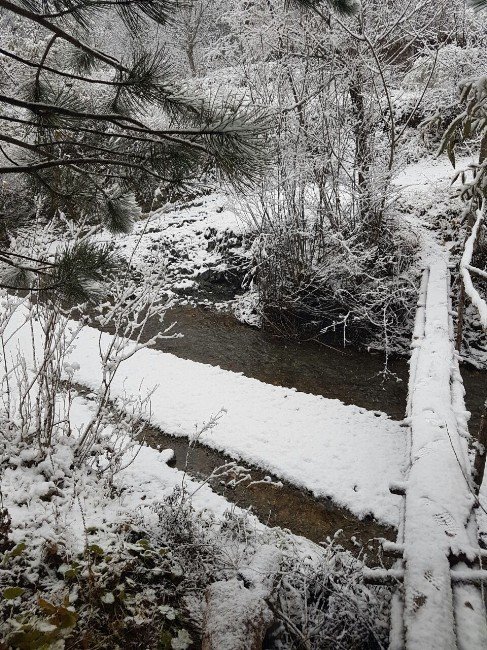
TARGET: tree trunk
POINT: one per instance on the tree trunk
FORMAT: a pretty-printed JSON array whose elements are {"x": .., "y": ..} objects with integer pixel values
[
  {"x": 362, "y": 154},
  {"x": 461, "y": 311}
]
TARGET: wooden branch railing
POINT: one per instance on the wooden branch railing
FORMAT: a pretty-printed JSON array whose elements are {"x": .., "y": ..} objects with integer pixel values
[
  {"x": 466, "y": 268},
  {"x": 469, "y": 290}
]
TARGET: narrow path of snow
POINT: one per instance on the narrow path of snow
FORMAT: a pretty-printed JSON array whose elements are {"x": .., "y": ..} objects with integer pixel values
[
  {"x": 342, "y": 452},
  {"x": 427, "y": 172}
]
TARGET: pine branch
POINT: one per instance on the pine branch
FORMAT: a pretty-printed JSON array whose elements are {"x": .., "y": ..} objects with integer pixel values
[
  {"x": 82, "y": 269},
  {"x": 345, "y": 7},
  {"x": 62, "y": 73},
  {"x": 121, "y": 121},
  {"x": 122, "y": 210},
  {"x": 106, "y": 134},
  {"x": 152, "y": 81},
  {"x": 236, "y": 125},
  {"x": 49, "y": 45},
  {"x": 79, "y": 271},
  {"x": 61, "y": 33},
  {"x": 79, "y": 147},
  {"x": 478, "y": 4},
  {"x": 28, "y": 258},
  {"x": 63, "y": 162},
  {"x": 164, "y": 154}
]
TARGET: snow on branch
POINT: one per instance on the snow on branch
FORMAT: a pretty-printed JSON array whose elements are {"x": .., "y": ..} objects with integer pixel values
[{"x": 466, "y": 268}]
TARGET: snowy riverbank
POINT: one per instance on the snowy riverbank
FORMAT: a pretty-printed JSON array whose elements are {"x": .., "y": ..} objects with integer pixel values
[{"x": 341, "y": 452}]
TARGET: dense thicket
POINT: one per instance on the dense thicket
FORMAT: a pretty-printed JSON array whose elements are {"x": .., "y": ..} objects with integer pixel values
[{"x": 314, "y": 107}]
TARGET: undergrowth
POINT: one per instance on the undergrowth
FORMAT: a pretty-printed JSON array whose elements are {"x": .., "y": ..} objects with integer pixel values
[{"x": 141, "y": 585}]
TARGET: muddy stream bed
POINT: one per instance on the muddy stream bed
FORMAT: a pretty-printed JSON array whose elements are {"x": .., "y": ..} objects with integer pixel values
[{"x": 350, "y": 375}]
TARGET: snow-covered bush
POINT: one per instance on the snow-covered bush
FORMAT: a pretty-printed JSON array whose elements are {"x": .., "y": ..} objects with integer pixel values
[
  {"x": 37, "y": 378},
  {"x": 128, "y": 591},
  {"x": 143, "y": 584},
  {"x": 316, "y": 280},
  {"x": 327, "y": 606},
  {"x": 453, "y": 63}
]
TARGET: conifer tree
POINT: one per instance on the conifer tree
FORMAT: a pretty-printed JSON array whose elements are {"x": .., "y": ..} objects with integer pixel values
[{"x": 96, "y": 134}]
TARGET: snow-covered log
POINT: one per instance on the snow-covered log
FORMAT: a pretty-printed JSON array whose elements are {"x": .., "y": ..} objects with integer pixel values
[
  {"x": 466, "y": 268},
  {"x": 397, "y": 631},
  {"x": 436, "y": 607},
  {"x": 439, "y": 525}
]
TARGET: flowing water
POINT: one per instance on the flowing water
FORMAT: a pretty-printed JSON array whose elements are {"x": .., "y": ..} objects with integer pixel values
[{"x": 350, "y": 375}]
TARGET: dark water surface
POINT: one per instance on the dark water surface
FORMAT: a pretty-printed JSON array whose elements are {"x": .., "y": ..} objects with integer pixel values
[
  {"x": 348, "y": 374},
  {"x": 352, "y": 376}
]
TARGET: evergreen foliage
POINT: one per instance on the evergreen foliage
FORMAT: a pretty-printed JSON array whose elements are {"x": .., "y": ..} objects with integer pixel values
[
  {"x": 96, "y": 135},
  {"x": 346, "y": 7}
]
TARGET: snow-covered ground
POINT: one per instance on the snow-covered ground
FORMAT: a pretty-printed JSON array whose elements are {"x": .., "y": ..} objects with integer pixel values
[
  {"x": 146, "y": 481},
  {"x": 342, "y": 452},
  {"x": 198, "y": 242},
  {"x": 62, "y": 518},
  {"x": 427, "y": 205},
  {"x": 63, "y": 513},
  {"x": 429, "y": 173}
]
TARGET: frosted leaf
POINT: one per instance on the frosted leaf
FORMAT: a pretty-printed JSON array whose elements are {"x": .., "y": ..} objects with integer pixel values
[
  {"x": 177, "y": 570},
  {"x": 45, "y": 626},
  {"x": 108, "y": 598},
  {"x": 169, "y": 612},
  {"x": 182, "y": 641}
]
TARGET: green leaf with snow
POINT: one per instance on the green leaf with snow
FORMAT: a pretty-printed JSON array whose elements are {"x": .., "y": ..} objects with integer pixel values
[
  {"x": 18, "y": 550},
  {"x": 30, "y": 638},
  {"x": 61, "y": 617},
  {"x": 10, "y": 593},
  {"x": 72, "y": 572},
  {"x": 96, "y": 550},
  {"x": 165, "y": 640},
  {"x": 144, "y": 543}
]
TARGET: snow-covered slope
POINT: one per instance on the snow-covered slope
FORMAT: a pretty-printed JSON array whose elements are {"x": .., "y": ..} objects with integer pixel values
[{"x": 193, "y": 240}]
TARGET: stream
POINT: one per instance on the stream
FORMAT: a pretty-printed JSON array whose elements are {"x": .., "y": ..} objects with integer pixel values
[{"x": 350, "y": 375}]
